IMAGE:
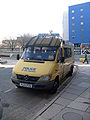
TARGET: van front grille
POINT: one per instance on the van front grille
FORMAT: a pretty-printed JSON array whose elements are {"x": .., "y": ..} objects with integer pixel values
[{"x": 27, "y": 78}]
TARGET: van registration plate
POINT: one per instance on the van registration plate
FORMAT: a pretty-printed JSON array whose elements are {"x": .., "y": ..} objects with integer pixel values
[{"x": 26, "y": 85}]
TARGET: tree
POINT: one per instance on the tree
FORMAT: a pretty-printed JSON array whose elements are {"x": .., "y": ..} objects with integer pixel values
[
  {"x": 12, "y": 44},
  {"x": 20, "y": 42},
  {"x": 23, "y": 40},
  {"x": 9, "y": 44}
]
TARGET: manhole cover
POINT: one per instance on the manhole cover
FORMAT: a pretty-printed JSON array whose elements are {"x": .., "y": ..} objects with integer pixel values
[
  {"x": 5, "y": 105},
  {"x": 72, "y": 116}
]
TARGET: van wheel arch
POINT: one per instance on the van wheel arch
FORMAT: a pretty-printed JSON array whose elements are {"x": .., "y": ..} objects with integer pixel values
[
  {"x": 55, "y": 85},
  {"x": 71, "y": 70},
  {"x": 18, "y": 86},
  {"x": 57, "y": 78}
]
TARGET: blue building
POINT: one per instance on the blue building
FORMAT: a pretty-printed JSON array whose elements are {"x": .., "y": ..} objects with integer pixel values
[{"x": 79, "y": 24}]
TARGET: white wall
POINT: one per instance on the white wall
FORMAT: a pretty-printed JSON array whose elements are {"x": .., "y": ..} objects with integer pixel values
[{"x": 65, "y": 26}]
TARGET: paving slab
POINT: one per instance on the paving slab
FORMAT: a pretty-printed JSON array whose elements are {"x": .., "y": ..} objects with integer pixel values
[
  {"x": 76, "y": 82},
  {"x": 78, "y": 105},
  {"x": 52, "y": 111},
  {"x": 88, "y": 90},
  {"x": 77, "y": 87},
  {"x": 88, "y": 110},
  {"x": 86, "y": 116},
  {"x": 84, "y": 84},
  {"x": 87, "y": 73},
  {"x": 83, "y": 100},
  {"x": 74, "y": 91},
  {"x": 85, "y": 95},
  {"x": 63, "y": 101},
  {"x": 69, "y": 96},
  {"x": 40, "y": 118}
]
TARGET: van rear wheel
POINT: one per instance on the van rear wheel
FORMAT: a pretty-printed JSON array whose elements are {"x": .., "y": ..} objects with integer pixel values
[
  {"x": 55, "y": 87},
  {"x": 71, "y": 71}
]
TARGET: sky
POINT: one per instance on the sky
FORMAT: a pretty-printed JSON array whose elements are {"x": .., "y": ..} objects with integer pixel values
[{"x": 18, "y": 17}]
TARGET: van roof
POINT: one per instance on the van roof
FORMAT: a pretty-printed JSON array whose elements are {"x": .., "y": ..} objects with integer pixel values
[{"x": 44, "y": 41}]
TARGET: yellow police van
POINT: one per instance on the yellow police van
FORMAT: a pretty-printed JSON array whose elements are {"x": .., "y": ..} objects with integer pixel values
[{"x": 45, "y": 62}]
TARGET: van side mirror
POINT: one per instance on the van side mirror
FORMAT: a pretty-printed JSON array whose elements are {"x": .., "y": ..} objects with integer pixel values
[
  {"x": 18, "y": 56},
  {"x": 62, "y": 59}
]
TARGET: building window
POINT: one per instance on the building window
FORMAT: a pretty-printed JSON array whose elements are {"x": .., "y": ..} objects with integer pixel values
[
  {"x": 82, "y": 23},
  {"x": 81, "y": 9},
  {"x": 82, "y": 29},
  {"x": 73, "y": 24},
  {"x": 73, "y": 31},
  {"x": 73, "y": 37},
  {"x": 73, "y": 17},
  {"x": 72, "y": 11},
  {"x": 81, "y": 16}
]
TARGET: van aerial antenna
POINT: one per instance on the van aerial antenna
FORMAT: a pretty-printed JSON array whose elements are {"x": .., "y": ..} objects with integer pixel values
[{"x": 50, "y": 31}]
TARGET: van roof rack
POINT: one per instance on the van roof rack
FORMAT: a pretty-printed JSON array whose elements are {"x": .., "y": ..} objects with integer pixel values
[{"x": 52, "y": 40}]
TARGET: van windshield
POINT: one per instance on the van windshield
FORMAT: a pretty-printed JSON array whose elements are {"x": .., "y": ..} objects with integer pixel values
[{"x": 40, "y": 53}]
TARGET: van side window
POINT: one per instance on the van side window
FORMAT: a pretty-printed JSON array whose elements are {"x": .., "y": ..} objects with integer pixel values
[
  {"x": 67, "y": 52},
  {"x": 60, "y": 54}
]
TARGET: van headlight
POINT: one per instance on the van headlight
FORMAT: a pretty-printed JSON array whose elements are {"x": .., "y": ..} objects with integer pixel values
[
  {"x": 45, "y": 78},
  {"x": 14, "y": 75}
]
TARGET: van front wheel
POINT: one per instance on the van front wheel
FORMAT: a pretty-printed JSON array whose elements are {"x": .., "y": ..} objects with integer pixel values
[
  {"x": 18, "y": 86},
  {"x": 55, "y": 87}
]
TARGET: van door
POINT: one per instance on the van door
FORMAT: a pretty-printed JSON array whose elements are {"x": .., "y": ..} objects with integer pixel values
[
  {"x": 60, "y": 64},
  {"x": 66, "y": 62},
  {"x": 69, "y": 59}
]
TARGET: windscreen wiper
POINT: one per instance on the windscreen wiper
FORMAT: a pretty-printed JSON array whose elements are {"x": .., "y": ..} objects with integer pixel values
[{"x": 32, "y": 60}]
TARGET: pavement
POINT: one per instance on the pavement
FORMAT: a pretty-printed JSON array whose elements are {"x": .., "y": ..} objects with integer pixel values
[
  {"x": 7, "y": 62},
  {"x": 73, "y": 102}
]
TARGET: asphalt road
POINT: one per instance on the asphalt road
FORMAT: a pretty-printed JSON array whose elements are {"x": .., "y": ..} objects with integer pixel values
[
  {"x": 20, "y": 104},
  {"x": 23, "y": 104}
]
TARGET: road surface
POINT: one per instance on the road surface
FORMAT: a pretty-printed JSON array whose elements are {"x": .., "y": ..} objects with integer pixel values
[{"x": 20, "y": 104}]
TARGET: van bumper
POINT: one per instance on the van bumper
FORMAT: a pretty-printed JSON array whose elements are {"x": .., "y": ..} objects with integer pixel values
[{"x": 35, "y": 85}]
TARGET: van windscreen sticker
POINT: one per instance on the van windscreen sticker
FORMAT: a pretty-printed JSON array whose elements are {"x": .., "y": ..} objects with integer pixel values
[
  {"x": 50, "y": 57},
  {"x": 27, "y": 69}
]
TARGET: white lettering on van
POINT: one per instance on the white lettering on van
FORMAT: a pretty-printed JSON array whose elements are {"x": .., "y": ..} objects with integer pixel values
[{"x": 27, "y": 69}]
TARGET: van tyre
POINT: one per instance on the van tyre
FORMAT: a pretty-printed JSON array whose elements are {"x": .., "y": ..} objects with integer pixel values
[
  {"x": 55, "y": 87},
  {"x": 71, "y": 71}
]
